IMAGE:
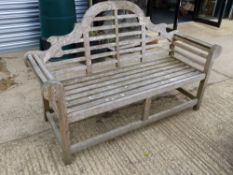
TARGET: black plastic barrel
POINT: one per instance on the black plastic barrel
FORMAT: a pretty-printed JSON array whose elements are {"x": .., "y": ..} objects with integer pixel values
[{"x": 57, "y": 17}]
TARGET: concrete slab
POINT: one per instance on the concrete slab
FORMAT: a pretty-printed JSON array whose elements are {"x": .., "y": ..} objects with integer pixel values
[
  {"x": 188, "y": 143},
  {"x": 21, "y": 105}
]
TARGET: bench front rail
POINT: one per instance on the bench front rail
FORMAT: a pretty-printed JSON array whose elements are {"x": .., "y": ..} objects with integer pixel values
[{"x": 111, "y": 60}]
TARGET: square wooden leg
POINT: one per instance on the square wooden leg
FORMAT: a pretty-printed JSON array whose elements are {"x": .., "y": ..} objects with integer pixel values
[
  {"x": 46, "y": 108},
  {"x": 200, "y": 94},
  {"x": 147, "y": 106}
]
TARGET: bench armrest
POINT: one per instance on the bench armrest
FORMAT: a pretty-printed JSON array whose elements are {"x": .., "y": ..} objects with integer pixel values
[
  {"x": 37, "y": 64},
  {"x": 214, "y": 51},
  {"x": 194, "y": 52},
  {"x": 161, "y": 29}
]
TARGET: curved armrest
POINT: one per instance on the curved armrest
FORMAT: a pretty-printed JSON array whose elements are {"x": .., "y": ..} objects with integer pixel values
[
  {"x": 57, "y": 42},
  {"x": 160, "y": 28},
  {"x": 37, "y": 64},
  {"x": 202, "y": 54},
  {"x": 49, "y": 89},
  {"x": 213, "y": 50}
]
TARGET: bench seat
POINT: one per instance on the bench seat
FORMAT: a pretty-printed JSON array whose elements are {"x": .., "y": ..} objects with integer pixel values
[{"x": 113, "y": 89}]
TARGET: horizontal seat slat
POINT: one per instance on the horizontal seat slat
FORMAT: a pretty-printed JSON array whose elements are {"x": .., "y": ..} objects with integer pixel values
[
  {"x": 123, "y": 78},
  {"x": 123, "y": 72},
  {"x": 69, "y": 82},
  {"x": 128, "y": 86},
  {"x": 81, "y": 112},
  {"x": 132, "y": 92},
  {"x": 69, "y": 67}
]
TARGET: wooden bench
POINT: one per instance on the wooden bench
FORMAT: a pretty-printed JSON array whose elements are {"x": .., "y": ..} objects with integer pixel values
[{"x": 112, "y": 60}]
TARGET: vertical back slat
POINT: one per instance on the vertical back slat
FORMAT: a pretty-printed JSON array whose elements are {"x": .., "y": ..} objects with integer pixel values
[
  {"x": 87, "y": 51},
  {"x": 117, "y": 37},
  {"x": 143, "y": 29}
]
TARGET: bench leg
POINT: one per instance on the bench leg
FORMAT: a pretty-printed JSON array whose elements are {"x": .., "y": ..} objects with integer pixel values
[
  {"x": 46, "y": 108},
  {"x": 213, "y": 53},
  {"x": 147, "y": 106},
  {"x": 65, "y": 140},
  {"x": 200, "y": 94},
  {"x": 65, "y": 132},
  {"x": 61, "y": 112}
]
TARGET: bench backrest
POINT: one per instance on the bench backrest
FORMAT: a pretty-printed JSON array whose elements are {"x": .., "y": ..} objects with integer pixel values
[{"x": 110, "y": 32}]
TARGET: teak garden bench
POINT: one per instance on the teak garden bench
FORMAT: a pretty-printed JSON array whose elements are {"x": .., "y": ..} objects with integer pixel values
[{"x": 109, "y": 61}]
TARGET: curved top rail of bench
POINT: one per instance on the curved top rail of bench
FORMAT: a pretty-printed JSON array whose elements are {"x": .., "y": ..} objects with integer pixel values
[
  {"x": 98, "y": 8},
  {"x": 57, "y": 42}
]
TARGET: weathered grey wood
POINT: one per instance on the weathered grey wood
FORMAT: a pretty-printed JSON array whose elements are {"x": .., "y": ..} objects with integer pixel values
[
  {"x": 160, "y": 29},
  {"x": 122, "y": 45},
  {"x": 107, "y": 27},
  {"x": 43, "y": 68},
  {"x": 128, "y": 84},
  {"x": 189, "y": 57},
  {"x": 55, "y": 65},
  {"x": 101, "y": 55},
  {"x": 78, "y": 82},
  {"x": 147, "y": 106},
  {"x": 57, "y": 98},
  {"x": 190, "y": 49},
  {"x": 88, "y": 87},
  {"x": 87, "y": 52},
  {"x": 172, "y": 48},
  {"x": 37, "y": 70},
  {"x": 120, "y": 102},
  {"x": 103, "y": 18},
  {"x": 130, "y": 127},
  {"x": 143, "y": 28},
  {"x": 108, "y": 36},
  {"x": 46, "y": 107},
  {"x": 134, "y": 89},
  {"x": 196, "y": 42},
  {"x": 114, "y": 93},
  {"x": 213, "y": 54},
  {"x": 65, "y": 70},
  {"x": 121, "y": 76},
  {"x": 117, "y": 38},
  {"x": 54, "y": 127},
  {"x": 186, "y": 93}
]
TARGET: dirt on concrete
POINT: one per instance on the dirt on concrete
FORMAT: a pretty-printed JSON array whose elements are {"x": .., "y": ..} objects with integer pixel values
[
  {"x": 21, "y": 104},
  {"x": 6, "y": 78}
]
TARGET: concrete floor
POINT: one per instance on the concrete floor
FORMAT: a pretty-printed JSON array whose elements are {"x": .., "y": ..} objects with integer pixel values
[{"x": 189, "y": 143}]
